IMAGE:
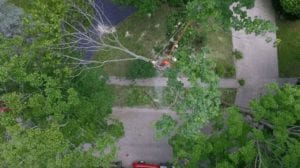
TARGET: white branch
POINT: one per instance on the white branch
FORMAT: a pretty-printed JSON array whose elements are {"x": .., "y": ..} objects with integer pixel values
[{"x": 101, "y": 35}]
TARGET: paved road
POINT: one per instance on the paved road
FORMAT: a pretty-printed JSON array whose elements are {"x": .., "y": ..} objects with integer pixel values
[{"x": 139, "y": 142}]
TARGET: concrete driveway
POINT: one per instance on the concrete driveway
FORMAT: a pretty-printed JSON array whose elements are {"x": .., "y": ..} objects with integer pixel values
[
  {"x": 139, "y": 142},
  {"x": 259, "y": 64}
]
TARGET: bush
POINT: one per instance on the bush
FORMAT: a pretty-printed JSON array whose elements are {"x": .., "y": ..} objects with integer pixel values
[
  {"x": 230, "y": 71},
  {"x": 242, "y": 82},
  {"x": 140, "y": 69},
  {"x": 172, "y": 21},
  {"x": 227, "y": 72},
  {"x": 177, "y": 3},
  {"x": 237, "y": 54},
  {"x": 281, "y": 11},
  {"x": 137, "y": 97},
  {"x": 291, "y": 6}
]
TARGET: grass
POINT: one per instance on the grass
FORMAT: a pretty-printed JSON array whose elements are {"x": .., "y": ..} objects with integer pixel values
[
  {"x": 220, "y": 44},
  {"x": 228, "y": 96},
  {"x": 289, "y": 48},
  {"x": 144, "y": 35},
  {"x": 147, "y": 35},
  {"x": 129, "y": 96},
  {"x": 22, "y": 4}
]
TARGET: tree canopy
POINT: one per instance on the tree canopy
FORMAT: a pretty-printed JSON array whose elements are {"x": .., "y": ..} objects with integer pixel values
[
  {"x": 215, "y": 13},
  {"x": 267, "y": 135},
  {"x": 291, "y": 6},
  {"x": 57, "y": 116}
]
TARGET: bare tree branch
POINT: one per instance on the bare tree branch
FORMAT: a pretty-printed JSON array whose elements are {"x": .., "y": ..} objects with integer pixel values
[{"x": 99, "y": 35}]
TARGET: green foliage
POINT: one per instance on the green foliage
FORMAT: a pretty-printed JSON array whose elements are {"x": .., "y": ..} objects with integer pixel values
[
  {"x": 173, "y": 22},
  {"x": 237, "y": 54},
  {"x": 230, "y": 71},
  {"x": 53, "y": 110},
  {"x": 291, "y": 6},
  {"x": 150, "y": 6},
  {"x": 228, "y": 97},
  {"x": 41, "y": 148},
  {"x": 140, "y": 69},
  {"x": 269, "y": 137},
  {"x": 289, "y": 48},
  {"x": 194, "y": 106},
  {"x": 242, "y": 82},
  {"x": 165, "y": 126},
  {"x": 198, "y": 105},
  {"x": 134, "y": 96},
  {"x": 204, "y": 11},
  {"x": 220, "y": 70},
  {"x": 144, "y": 6},
  {"x": 225, "y": 72},
  {"x": 177, "y": 3}
]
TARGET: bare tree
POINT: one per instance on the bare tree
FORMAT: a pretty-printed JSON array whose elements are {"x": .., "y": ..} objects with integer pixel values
[{"x": 99, "y": 36}]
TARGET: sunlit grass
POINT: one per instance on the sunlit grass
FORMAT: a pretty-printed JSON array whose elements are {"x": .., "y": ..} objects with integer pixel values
[{"x": 289, "y": 48}]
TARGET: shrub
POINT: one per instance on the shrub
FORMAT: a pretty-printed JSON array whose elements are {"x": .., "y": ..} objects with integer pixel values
[
  {"x": 177, "y": 3},
  {"x": 225, "y": 71},
  {"x": 140, "y": 69},
  {"x": 137, "y": 97},
  {"x": 230, "y": 71},
  {"x": 278, "y": 5},
  {"x": 172, "y": 22},
  {"x": 291, "y": 6},
  {"x": 242, "y": 82},
  {"x": 237, "y": 54}
]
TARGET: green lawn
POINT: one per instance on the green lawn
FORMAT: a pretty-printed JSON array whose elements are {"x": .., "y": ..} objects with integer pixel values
[
  {"x": 220, "y": 44},
  {"x": 147, "y": 35},
  {"x": 144, "y": 35},
  {"x": 289, "y": 48},
  {"x": 129, "y": 96}
]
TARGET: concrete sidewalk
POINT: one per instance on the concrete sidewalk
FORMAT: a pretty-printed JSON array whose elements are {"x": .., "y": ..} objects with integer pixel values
[{"x": 259, "y": 60}]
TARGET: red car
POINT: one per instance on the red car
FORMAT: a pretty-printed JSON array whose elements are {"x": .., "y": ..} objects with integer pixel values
[{"x": 142, "y": 164}]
